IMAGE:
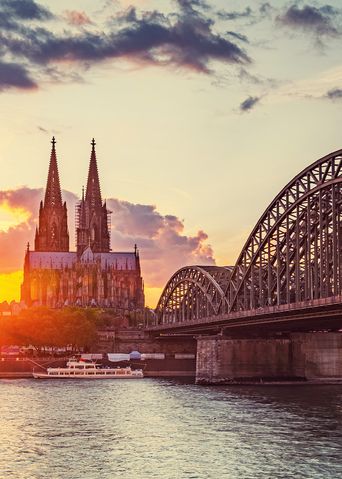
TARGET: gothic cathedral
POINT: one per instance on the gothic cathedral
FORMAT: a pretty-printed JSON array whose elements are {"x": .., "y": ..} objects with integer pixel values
[{"x": 92, "y": 275}]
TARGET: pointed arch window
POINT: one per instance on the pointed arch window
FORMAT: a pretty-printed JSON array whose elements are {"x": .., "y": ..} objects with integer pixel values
[{"x": 53, "y": 232}]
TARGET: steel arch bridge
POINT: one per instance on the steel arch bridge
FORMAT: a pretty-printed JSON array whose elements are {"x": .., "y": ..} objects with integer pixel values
[
  {"x": 194, "y": 292},
  {"x": 293, "y": 256}
]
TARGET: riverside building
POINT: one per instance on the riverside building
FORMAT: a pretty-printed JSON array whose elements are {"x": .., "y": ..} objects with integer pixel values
[{"x": 93, "y": 275}]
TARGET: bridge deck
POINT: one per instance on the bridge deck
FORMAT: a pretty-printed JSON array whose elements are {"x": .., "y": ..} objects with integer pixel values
[{"x": 320, "y": 314}]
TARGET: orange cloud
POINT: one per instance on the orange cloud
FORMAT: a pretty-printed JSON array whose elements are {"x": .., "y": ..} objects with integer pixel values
[
  {"x": 75, "y": 17},
  {"x": 11, "y": 216},
  {"x": 13, "y": 239},
  {"x": 163, "y": 244}
]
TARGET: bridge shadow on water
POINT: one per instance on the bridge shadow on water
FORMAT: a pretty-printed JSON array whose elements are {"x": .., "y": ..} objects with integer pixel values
[{"x": 312, "y": 402}]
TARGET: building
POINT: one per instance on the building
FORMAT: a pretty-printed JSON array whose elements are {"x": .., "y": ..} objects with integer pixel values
[{"x": 92, "y": 275}]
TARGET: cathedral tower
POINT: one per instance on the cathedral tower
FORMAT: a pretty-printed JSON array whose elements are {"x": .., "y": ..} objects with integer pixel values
[
  {"x": 93, "y": 276},
  {"x": 92, "y": 216},
  {"x": 52, "y": 232}
]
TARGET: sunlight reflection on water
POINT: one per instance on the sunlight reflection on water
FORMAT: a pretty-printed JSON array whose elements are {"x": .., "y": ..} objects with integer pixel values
[{"x": 168, "y": 429}]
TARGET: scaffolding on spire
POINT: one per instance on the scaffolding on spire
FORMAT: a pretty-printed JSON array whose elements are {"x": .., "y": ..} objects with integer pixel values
[{"x": 92, "y": 217}]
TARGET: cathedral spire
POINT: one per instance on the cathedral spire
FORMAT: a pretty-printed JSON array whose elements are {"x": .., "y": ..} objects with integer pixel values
[
  {"x": 92, "y": 220},
  {"x": 52, "y": 233},
  {"x": 93, "y": 191},
  {"x": 53, "y": 195}
]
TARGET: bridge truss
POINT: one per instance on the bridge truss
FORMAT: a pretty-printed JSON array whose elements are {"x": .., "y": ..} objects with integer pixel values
[
  {"x": 293, "y": 255},
  {"x": 194, "y": 292}
]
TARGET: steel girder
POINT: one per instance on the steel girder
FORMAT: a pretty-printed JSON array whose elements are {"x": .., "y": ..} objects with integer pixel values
[
  {"x": 293, "y": 254},
  {"x": 193, "y": 292}
]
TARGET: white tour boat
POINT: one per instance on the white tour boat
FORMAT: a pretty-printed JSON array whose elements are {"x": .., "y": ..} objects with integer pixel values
[{"x": 88, "y": 370}]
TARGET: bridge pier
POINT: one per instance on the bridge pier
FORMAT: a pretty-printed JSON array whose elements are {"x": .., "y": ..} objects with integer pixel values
[{"x": 314, "y": 357}]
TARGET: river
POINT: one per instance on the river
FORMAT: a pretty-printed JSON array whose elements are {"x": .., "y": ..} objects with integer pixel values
[{"x": 161, "y": 428}]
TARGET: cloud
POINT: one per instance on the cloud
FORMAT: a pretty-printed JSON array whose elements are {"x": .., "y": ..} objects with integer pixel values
[
  {"x": 131, "y": 16},
  {"x": 6, "y": 22},
  {"x": 163, "y": 244},
  {"x": 249, "y": 103},
  {"x": 15, "y": 15},
  {"x": 263, "y": 11},
  {"x": 319, "y": 21},
  {"x": 126, "y": 16},
  {"x": 135, "y": 219},
  {"x": 14, "y": 240},
  {"x": 266, "y": 9},
  {"x": 190, "y": 6},
  {"x": 224, "y": 15},
  {"x": 322, "y": 86},
  {"x": 23, "y": 197},
  {"x": 315, "y": 87},
  {"x": 238, "y": 36},
  {"x": 334, "y": 94},
  {"x": 77, "y": 18},
  {"x": 245, "y": 76},
  {"x": 14, "y": 75},
  {"x": 24, "y": 10},
  {"x": 183, "y": 39}
]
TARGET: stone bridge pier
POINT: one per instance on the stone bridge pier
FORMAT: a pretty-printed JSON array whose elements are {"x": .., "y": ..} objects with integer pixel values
[{"x": 314, "y": 357}]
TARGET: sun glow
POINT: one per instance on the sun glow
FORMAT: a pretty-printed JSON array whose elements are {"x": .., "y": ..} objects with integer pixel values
[
  {"x": 152, "y": 296},
  {"x": 10, "y": 286},
  {"x": 10, "y": 289},
  {"x": 12, "y": 216}
]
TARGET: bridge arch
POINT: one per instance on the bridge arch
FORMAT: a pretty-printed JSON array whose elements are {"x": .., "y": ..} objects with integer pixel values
[
  {"x": 193, "y": 292},
  {"x": 293, "y": 254}
]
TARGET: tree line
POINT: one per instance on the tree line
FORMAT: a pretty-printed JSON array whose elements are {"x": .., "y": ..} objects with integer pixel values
[
  {"x": 43, "y": 328},
  {"x": 72, "y": 327}
]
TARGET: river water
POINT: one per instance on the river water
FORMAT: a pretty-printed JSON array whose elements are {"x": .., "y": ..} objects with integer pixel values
[{"x": 160, "y": 428}]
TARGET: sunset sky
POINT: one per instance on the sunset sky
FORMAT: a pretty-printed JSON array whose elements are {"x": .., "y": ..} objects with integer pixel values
[{"x": 202, "y": 111}]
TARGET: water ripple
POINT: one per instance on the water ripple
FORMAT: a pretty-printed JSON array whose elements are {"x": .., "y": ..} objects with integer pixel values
[{"x": 168, "y": 429}]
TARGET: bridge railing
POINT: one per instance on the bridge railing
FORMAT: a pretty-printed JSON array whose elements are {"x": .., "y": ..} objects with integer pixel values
[{"x": 249, "y": 314}]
